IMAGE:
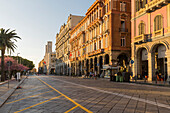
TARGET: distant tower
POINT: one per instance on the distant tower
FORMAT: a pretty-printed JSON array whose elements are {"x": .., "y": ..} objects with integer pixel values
[{"x": 49, "y": 47}]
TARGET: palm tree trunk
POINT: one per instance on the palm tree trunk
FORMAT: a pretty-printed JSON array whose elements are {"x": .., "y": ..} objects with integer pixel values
[{"x": 2, "y": 65}]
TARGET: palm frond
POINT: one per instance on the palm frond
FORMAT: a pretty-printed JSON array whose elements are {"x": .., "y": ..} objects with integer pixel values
[{"x": 7, "y": 39}]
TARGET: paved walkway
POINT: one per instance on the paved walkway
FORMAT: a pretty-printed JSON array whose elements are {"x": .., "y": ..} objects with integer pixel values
[
  {"x": 59, "y": 94},
  {"x": 4, "y": 86},
  {"x": 159, "y": 83}
]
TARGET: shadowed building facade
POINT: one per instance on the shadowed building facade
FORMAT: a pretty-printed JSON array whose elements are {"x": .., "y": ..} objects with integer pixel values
[
  {"x": 101, "y": 38},
  {"x": 151, "y": 38},
  {"x": 63, "y": 45}
]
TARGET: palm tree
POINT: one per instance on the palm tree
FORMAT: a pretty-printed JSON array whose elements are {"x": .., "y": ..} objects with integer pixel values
[{"x": 7, "y": 39}]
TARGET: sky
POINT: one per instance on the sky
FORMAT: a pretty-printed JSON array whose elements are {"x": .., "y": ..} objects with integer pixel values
[{"x": 38, "y": 21}]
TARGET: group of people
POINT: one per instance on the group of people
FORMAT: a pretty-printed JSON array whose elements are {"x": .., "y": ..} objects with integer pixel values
[
  {"x": 91, "y": 75},
  {"x": 18, "y": 76}
]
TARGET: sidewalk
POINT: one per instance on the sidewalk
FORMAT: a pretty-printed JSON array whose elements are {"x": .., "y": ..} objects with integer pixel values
[
  {"x": 159, "y": 83},
  {"x": 4, "y": 86},
  {"x": 6, "y": 92}
]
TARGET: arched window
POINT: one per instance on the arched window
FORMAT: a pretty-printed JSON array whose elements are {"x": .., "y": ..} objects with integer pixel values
[
  {"x": 140, "y": 4},
  {"x": 158, "y": 23},
  {"x": 141, "y": 28}
]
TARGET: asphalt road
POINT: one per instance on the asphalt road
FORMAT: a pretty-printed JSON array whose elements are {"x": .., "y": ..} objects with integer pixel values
[{"x": 58, "y": 94}]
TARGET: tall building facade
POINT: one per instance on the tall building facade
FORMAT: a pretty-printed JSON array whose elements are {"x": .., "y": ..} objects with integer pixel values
[
  {"x": 63, "y": 45},
  {"x": 102, "y": 39},
  {"x": 48, "y": 64},
  {"x": 151, "y": 38}
]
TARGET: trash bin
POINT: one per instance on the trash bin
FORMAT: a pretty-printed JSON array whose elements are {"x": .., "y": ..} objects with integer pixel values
[
  {"x": 121, "y": 78},
  {"x": 117, "y": 78},
  {"x": 127, "y": 77},
  {"x": 111, "y": 78}
]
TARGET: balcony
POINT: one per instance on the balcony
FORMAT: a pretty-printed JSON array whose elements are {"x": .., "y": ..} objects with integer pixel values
[
  {"x": 141, "y": 11},
  {"x": 75, "y": 58},
  {"x": 158, "y": 32},
  {"x": 142, "y": 38},
  {"x": 82, "y": 32},
  {"x": 155, "y": 4},
  {"x": 96, "y": 52},
  {"x": 123, "y": 30},
  {"x": 95, "y": 23}
]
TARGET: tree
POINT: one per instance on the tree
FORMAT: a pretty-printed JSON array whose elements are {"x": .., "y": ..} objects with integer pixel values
[
  {"x": 7, "y": 39},
  {"x": 15, "y": 67},
  {"x": 25, "y": 62}
]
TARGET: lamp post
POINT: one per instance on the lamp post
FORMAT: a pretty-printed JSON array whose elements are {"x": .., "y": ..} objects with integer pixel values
[
  {"x": 9, "y": 63},
  {"x": 17, "y": 57}
]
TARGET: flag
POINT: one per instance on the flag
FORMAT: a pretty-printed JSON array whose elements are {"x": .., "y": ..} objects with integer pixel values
[
  {"x": 78, "y": 53},
  {"x": 70, "y": 54}
]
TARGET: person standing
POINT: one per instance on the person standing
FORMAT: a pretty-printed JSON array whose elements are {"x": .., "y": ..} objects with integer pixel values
[
  {"x": 19, "y": 76},
  {"x": 95, "y": 75}
]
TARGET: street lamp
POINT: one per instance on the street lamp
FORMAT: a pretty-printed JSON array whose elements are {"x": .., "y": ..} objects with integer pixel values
[{"x": 17, "y": 57}]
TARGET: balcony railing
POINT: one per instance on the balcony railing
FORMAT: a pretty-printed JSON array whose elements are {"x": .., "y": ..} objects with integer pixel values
[
  {"x": 99, "y": 51},
  {"x": 94, "y": 23},
  {"x": 158, "y": 32},
  {"x": 123, "y": 30},
  {"x": 142, "y": 38},
  {"x": 155, "y": 3},
  {"x": 141, "y": 11}
]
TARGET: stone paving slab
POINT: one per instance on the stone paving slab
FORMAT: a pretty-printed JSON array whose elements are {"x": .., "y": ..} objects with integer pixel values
[
  {"x": 98, "y": 96},
  {"x": 7, "y": 92}
]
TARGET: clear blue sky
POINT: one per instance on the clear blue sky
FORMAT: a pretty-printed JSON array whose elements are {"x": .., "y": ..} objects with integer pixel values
[{"x": 38, "y": 21}]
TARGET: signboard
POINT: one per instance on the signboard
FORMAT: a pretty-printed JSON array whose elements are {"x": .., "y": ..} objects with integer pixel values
[{"x": 132, "y": 62}]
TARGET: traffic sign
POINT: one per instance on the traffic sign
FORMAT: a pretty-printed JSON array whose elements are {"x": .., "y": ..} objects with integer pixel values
[{"x": 132, "y": 62}]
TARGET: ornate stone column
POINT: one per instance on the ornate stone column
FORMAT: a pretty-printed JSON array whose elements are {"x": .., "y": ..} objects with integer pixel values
[
  {"x": 134, "y": 58},
  {"x": 98, "y": 67},
  {"x": 94, "y": 65},
  {"x": 168, "y": 65},
  {"x": 103, "y": 64},
  {"x": 150, "y": 66}
]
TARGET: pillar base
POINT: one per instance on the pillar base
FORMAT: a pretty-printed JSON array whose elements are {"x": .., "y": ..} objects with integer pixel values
[
  {"x": 150, "y": 79},
  {"x": 168, "y": 79}
]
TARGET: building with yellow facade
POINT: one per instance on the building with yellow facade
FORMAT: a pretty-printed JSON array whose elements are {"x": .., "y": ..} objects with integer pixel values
[
  {"x": 63, "y": 45},
  {"x": 102, "y": 39}
]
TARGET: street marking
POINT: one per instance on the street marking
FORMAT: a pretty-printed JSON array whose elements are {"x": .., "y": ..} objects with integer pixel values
[
  {"x": 28, "y": 97},
  {"x": 30, "y": 91},
  {"x": 121, "y": 95},
  {"x": 71, "y": 109},
  {"x": 38, "y": 104},
  {"x": 85, "y": 109}
]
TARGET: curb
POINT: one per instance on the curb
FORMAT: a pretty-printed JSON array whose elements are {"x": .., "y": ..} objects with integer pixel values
[
  {"x": 151, "y": 84},
  {"x": 5, "y": 97},
  {"x": 6, "y": 82}
]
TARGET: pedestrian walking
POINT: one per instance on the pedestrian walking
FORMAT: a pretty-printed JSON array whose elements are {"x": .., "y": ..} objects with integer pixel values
[
  {"x": 95, "y": 75},
  {"x": 18, "y": 76},
  {"x": 15, "y": 77},
  {"x": 90, "y": 74}
]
